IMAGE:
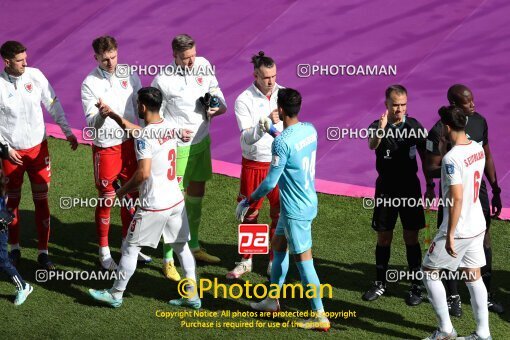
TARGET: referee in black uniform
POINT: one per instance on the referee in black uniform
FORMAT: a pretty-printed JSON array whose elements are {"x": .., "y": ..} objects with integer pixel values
[
  {"x": 404, "y": 138},
  {"x": 477, "y": 131}
]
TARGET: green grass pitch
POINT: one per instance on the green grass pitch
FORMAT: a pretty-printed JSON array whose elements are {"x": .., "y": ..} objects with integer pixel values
[{"x": 343, "y": 246}]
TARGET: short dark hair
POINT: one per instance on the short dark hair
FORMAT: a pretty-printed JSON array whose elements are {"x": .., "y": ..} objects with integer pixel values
[
  {"x": 398, "y": 89},
  {"x": 290, "y": 101},
  {"x": 453, "y": 92},
  {"x": 11, "y": 48},
  {"x": 260, "y": 60},
  {"x": 182, "y": 42},
  {"x": 104, "y": 44},
  {"x": 150, "y": 97},
  {"x": 454, "y": 117}
]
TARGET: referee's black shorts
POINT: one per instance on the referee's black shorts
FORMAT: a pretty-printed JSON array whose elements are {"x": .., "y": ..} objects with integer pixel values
[
  {"x": 484, "y": 201},
  {"x": 385, "y": 216}
]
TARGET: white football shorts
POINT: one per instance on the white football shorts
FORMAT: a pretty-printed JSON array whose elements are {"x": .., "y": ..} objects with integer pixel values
[
  {"x": 147, "y": 227},
  {"x": 469, "y": 251}
]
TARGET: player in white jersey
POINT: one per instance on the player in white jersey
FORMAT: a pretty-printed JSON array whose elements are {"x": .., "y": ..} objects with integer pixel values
[
  {"x": 22, "y": 90},
  {"x": 113, "y": 152},
  {"x": 459, "y": 242},
  {"x": 192, "y": 79},
  {"x": 256, "y": 102},
  {"x": 161, "y": 211}
]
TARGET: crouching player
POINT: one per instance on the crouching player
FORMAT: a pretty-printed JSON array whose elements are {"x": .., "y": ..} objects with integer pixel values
[
  {"x": 6, "y": 217},
  {"x": 293, "y": 168},
  {"x": 161, "y": 211},
  {"x": 459, "y": 242}
]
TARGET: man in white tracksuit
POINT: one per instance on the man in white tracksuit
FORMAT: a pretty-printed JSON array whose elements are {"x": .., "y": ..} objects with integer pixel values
[
  {"x": 113, "y": 151},
  {"x": 192, "y": 78},
  {"x": 22, "y": 90},
  {"x": 256, "y": 102}
]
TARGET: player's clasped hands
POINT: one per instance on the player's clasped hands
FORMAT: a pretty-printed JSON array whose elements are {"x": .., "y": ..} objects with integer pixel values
[
  {"x": 265, "y": 124},
  {"x": 274, "y": 116},
  {"x": 104, "y": 110}
]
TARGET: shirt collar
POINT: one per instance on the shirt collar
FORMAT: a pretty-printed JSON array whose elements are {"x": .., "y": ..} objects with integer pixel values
[
  {"x": 179, "y": 70},
  {"x": 104, "y": 74},
  {"x": 401, "y": 124},
  {"x": 10, "y": 78},
  {"x": 257, "y": 91}
]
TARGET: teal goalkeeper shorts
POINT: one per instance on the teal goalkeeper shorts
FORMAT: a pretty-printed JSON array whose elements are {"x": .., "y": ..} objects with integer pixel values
[{"x": 297, "y": 232}]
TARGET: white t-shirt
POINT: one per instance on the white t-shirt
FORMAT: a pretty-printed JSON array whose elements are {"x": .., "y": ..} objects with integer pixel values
[
  {"x": 464, "y": 165},
  {"x": 181, "y": 93},
  {"x": 119, "y": 94},
  {"x": 21, "y": 117},
  {"x": 249, "y": 107},
  {"x": 161, "y": 190}
]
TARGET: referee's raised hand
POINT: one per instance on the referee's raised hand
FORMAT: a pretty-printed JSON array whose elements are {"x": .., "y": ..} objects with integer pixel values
[
  {"x": 374, "y": 140},
  {"x": 383, "y": 120}
]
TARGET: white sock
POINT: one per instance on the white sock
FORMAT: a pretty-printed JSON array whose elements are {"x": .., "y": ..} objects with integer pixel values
[
  {"x": 437, "y": 297},
  {"x": 143, "y": 257},
  {"x": 320, "y": 313},
  {"x": 478, "y": 294},
  {"x": 123, "y": 244},
  {"x": 117, "y": 294},
  {"x": 187, "y": 261},
  {"x": 43, "y": 251},
  {"x": 165, "y": 261},
  {"x": 14, "y": 246},
  {"x": 127, "y": 267},
  {"x": 104, "y": 252}
]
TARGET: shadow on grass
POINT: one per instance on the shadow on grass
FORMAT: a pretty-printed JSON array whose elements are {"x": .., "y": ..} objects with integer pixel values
[{"x": 73, "y": 247}]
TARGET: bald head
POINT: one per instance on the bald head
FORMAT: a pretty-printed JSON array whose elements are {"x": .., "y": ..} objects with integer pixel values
[{"x": 461, "y": 96}]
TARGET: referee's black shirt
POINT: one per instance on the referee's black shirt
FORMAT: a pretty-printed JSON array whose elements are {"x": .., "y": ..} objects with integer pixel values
[{"x": 397, "y": 152}]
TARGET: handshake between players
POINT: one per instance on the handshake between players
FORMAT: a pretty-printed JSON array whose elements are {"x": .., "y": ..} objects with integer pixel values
[
  {"x": 161, "y": 212},
  {"x": 106, "y": 112}
]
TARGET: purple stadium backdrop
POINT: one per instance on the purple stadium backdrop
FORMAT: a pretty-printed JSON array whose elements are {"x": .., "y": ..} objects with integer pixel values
[{"x": 433, "y": 44}]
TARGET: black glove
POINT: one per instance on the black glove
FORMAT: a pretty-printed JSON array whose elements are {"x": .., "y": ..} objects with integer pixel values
[{"x": 6, "y": 218}]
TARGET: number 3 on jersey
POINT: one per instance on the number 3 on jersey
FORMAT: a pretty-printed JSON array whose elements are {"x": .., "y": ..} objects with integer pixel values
[
  {"x": 171, "y": 170},
  {"x": 476, "y": 185},
  {"x": 309, "y": 168}
]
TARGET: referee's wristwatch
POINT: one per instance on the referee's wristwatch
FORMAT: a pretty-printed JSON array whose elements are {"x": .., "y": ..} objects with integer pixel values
[
  {"x": 496, "y": 191},
  {"x": 431, "y": 185}
]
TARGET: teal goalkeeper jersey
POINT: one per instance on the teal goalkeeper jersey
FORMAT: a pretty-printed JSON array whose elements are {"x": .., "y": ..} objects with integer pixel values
[{"x": 293, "y": 168}]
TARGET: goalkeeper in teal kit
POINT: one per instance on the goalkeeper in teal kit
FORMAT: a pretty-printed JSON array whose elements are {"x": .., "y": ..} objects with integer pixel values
[{"x": 293, "y": 169}]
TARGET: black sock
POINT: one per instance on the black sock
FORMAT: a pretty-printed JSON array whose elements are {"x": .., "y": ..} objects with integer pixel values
[
  {"x": 451, "y": 285},
  {"x": 414, "y": 260},
  {"x": 487, "y": 269},
  {"x": 382, "y": 258}
]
